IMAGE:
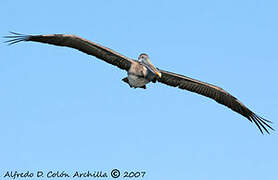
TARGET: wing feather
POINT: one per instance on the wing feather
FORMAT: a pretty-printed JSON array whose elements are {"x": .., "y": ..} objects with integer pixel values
[
  {"x": 78, "y": 43},
  {"x": 218, "y": 94}
]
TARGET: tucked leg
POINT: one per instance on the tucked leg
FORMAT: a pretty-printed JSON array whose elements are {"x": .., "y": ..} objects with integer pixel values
[
  {"x": 143, "y": 87},
  {"x": 126, "y": 81}
]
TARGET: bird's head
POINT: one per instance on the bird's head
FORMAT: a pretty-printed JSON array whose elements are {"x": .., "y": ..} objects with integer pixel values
[{"x": 145, "y": 60}]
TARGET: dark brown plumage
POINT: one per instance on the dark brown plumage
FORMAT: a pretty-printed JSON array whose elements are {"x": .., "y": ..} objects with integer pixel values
[
  {"x": 78, "y": 43},
  {"x": 218, "y": 94},
  {"x": 130, "y": 65}
]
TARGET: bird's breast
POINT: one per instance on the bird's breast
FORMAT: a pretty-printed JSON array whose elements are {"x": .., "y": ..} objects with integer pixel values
[
  {"x": 137, "y": 75},
  {"x": 136, "y": 81}
]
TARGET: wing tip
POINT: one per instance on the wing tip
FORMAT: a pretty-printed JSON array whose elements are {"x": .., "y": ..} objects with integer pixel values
[
  {"x": 262, "y": 123},
  {"x": 16, "y": 37}
]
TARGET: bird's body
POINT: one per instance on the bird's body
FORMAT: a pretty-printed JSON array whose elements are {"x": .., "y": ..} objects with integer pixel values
[
  {"x": 140, "y": 74},
  {"x": 142, "y": 71},
  {"x": 137, "y": 81},
  {"x": 137, "y": 74}
]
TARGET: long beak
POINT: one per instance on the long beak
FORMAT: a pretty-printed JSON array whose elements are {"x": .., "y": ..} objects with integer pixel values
[
  {"x": 151, "y": 67},
  {"x": 154, "y": 70},
  {"x": 158, "y": 74}
]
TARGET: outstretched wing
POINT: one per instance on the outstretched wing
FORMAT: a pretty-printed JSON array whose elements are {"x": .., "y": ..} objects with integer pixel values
[
  {"x": 78, "y": 43},
  {"x": 218, "y": 94}
]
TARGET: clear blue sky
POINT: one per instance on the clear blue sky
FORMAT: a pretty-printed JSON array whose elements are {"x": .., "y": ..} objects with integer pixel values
[{"x": 61, "y": 109}]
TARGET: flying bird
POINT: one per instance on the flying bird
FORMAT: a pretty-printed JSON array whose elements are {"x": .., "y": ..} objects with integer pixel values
[{"x": 141, "y": 72}]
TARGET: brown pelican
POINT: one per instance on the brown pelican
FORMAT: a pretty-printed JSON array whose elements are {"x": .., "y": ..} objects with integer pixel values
[{"x": 142, "y": 72}]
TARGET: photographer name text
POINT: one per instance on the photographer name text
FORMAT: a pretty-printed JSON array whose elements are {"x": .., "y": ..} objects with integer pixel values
[{"x": 114, "y": 173}]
